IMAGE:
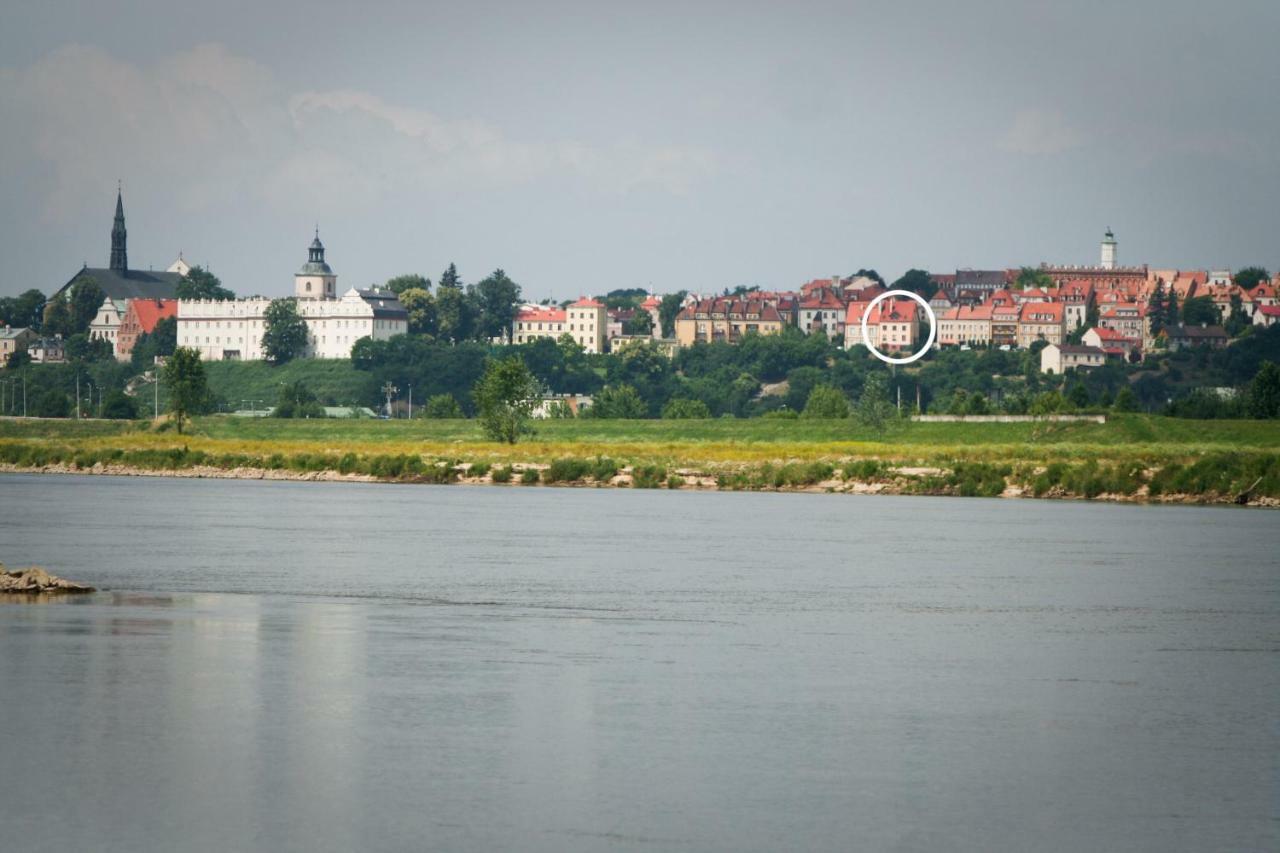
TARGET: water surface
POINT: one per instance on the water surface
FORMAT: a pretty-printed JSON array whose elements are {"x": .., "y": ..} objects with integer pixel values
[{"x": 314, "y": 667}]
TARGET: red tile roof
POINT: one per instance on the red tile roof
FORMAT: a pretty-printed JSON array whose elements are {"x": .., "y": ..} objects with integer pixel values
[{"x": 151, "y": 311}]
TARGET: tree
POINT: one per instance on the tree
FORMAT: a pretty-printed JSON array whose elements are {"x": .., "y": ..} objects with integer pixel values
[
  {"x": 82, "y": 348},
  {"x": 497, "y": 296},
  {"x": 18, "y": 358},
  {"x": 1029, "y": 277},
  {"x": 454, "y": 312},
  {"x": 119, "y": 406},
  {"x": 667, "y": 311},
  {"x": 1251, "y": 277},
  {"x": 1171, "y": 312},
  {"x": 57, "y": 318},
  {"x": 1157, "y": 308},
  {"x": 505, "y": 397},
  {"x": 1078, "y": 396},
  {"x": 618, "y": 401},
  {"x": 24, "y": 311},
  {"x": 917, "y": 281},
  {"x": 161, "y": 341},
  {"x": 1126, "y": 401},
  {"x": 683, "y": 410},
  {"x": 874, "y": 409},
  {"x": 1264, "y": 392},
  {"x": 1237, "y": 322},
  {"x": 412, "y": 281},
  {"x": 442, "y": 407},
  {"x": 199, "y": 283},
  {"x": 297, "y": 401},
  {"x": 421, "y": 306},
  {"x": 284, "y": 335},
  {"x": 871, "y": 274},
  {"x": 641, "y": 323},
  {"x": 52, "y": 404},
  {"x": 185, "y": 380},
  {"x": 449, "y": 278},
  {"x": 826, "y": 402},
  {"x": 1199, "y": 310}
]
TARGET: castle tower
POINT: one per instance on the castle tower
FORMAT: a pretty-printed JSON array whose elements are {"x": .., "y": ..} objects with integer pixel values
[
  {"x": 1109, "y": 251},
  {"x": 119, "y": 238},
  {"x": 315, "y": 280}
]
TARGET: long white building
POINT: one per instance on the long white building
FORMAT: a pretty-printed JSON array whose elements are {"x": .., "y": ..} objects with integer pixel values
[{"x": 232, "y": 329}]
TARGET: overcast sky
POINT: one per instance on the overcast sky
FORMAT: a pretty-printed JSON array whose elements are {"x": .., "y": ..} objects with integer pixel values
[{"x": 585, "y": 147}]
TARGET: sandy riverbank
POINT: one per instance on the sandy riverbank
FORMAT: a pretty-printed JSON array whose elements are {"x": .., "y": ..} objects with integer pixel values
[{"x": 908, "y": 481}]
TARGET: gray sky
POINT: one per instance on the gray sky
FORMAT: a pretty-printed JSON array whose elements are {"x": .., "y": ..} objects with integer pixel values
[{"x": 584, "y": 147}]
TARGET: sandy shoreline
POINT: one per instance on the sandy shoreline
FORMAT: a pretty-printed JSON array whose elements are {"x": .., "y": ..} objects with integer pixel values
[{"x": 692, "y": 481}]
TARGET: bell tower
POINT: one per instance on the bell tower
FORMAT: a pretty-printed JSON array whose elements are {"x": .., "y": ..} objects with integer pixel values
[{"x": 315, "y": 280}]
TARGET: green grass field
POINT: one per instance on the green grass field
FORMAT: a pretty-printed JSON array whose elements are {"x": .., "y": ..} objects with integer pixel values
[{"x": 1128, "y": 455}]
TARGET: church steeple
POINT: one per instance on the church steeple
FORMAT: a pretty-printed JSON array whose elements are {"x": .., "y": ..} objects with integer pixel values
[{"x": 119, "y": 238}]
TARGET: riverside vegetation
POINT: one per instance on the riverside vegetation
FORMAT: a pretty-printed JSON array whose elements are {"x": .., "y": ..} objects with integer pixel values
[{"x": 1130, "y": 457}]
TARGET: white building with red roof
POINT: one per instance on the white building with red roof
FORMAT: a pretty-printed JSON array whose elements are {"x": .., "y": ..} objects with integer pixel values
[{"x": 1041, "y": 321}]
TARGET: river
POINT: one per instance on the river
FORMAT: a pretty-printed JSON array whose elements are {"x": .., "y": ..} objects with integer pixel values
[{"x": 285, "y": 666}]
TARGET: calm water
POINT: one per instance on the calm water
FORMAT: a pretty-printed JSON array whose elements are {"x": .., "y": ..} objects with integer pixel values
[{"x": 316, "y": 667}]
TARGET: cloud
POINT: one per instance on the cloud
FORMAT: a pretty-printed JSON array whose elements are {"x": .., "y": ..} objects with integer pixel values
[
  {"x": 1041, "y": 132},
  {"x": 216, "y": 128}
]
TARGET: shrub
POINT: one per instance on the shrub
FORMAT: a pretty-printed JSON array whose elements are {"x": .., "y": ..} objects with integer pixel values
[
  {"x": 603, "y": 469},
  {"x": 826, "y": 402},
  {"x": 502, "y": 474},
  {"x": 478, "y": 469},
  {"x": 568, "y": 470},
  {"x": 648, "y": 476},
  {"x": 530, "y": 476},
  {"x": 685, "y": 410},
  {"x": 674, "y": 481}
]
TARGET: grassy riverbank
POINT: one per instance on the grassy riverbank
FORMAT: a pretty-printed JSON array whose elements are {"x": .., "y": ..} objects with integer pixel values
[{"x": 1129, "y": 457}]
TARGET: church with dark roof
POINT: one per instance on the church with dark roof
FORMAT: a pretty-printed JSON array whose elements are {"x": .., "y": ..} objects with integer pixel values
[
  {"x": 121, "y": 284},
  {"x": 118, "y": 281}
]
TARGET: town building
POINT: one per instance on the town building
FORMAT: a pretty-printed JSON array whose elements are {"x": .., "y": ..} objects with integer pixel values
[
  {"x": 1111, "y": 342},
  {"x": 965, "y": 325},
  {"x": 232, "y": 329},
  {"x": 1041, "y": 321},
  {"x": 1059, "y": 358},
  {"x": 726, "y": 319},
  {"x": 893, "y": 325},
  {"x": 822, "y": 311},
  {"x": 14, "y": 339},
  {"x": 47, "y": 350},
  {"x": 538, "y": 321},
  {"x": 1186, "y": 337},
  {"x": 587, "y": 321},
  {"x": 140, "y": 317}
]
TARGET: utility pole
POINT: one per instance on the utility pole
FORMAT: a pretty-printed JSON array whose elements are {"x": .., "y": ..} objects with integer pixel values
[
  {"x": 24, "y": 394},
  {"x": 410, "y": 402},
  {"x": 155, "y": 371},
  {"x": 77, "y": 395}
]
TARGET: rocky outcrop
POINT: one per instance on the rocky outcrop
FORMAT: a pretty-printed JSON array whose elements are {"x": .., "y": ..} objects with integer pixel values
[{"x": 36, "y": 581}]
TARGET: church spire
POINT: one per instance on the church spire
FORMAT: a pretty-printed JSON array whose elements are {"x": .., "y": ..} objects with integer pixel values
[{"x": 119, "y": 238}]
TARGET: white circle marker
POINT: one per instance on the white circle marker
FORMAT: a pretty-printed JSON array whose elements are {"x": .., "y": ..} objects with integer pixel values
[{"x": 933, "y": 327}]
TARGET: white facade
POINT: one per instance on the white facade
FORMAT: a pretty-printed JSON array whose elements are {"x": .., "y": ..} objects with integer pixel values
[
  {"x": 232, "y": 329},
  {"x": 106, "y": 323},
  {"x": 1109, "y": 251},
  {"x": 587, "y": 320}
]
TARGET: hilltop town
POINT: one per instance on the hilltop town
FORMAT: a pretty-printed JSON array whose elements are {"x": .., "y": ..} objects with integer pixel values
[{"x": 1053, "y": 319}]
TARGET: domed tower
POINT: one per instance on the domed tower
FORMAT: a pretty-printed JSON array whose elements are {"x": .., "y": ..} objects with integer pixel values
[
  {"x": 1109, "y": 251},
  {"x": 315, "y": 280}
]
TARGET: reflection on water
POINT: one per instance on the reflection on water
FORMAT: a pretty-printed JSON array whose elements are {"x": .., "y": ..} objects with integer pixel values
[{"x": 283, "y": 666}]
